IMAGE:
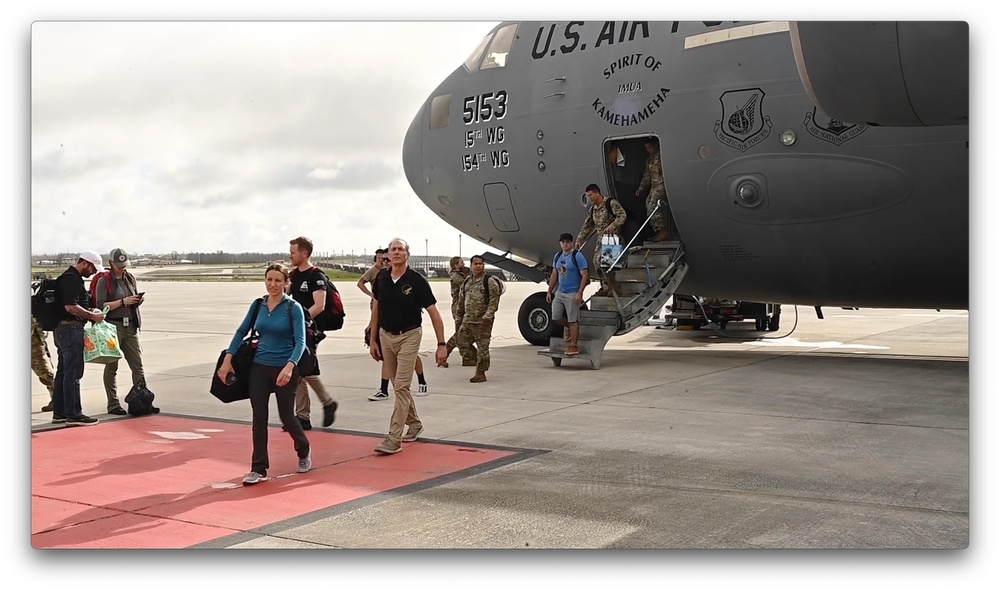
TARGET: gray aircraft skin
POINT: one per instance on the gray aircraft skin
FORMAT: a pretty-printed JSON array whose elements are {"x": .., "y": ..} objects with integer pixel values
[{"x": 866, "y": 211}]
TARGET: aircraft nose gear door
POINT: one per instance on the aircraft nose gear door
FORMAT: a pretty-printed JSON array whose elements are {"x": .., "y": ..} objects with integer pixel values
[{"x": 500, "y": 207}]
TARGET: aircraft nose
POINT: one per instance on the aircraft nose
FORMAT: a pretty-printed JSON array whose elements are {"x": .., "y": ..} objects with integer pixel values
[{"x": 413, "y": 154}]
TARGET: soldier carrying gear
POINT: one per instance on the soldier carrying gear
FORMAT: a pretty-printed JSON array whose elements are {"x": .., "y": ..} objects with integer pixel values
[
  {"x": 41, "y": 361},
  {"x": 652, "y": 180},
  {"x": 477, "y": 306},
  {"x": 458, "y": 275},
  {"x": 605, "y": 216}
]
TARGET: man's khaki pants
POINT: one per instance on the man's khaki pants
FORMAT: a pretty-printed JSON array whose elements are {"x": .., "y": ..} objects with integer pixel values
[
  {"x": 399, "y": 354},
  {"x": 302, "y": 403},
  {"x": 128, "y": 342}
]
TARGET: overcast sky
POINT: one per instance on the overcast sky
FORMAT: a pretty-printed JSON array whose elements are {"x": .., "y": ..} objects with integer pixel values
[{"x": 201, "y": 136}]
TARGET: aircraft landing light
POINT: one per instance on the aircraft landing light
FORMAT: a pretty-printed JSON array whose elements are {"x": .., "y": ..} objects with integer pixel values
[{"x": 174, "y": 481}]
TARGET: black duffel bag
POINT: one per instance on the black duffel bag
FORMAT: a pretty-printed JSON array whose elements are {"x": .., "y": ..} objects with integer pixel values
[
  {"x": 140, "y": 400},
  {"x": 237, "y": 384}
]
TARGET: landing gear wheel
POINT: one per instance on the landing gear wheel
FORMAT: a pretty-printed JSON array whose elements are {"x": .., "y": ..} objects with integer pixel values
[
  {"x": 760, "y": 324},
  {"x": 774, "y": 323},
  {"x": 534, "y": 320},
  {"x": 723, "y": 324}
]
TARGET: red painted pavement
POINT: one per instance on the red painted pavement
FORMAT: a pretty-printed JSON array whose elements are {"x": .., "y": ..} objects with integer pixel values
[{"x": 170, "y": 482}]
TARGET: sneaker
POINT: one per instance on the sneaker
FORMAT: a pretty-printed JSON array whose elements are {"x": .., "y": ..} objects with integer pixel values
[
  {"x": 329, "y": 414},
  {"x": 305, "y": 463},
  {"x": 81, "y": 420},
  {"x": 57, "y": 419},
  {"x": 254, "y": 477},
  {"x": 388, "y": 448},
  {"x": 421, "y": 389},
  {"x": 379, "y": 394},
  {"x": 572, "y": 350},
  {"x": 412, "y": 433},
  {"x": 48, "y": 407},
  {"x": 118, "y": 411}
]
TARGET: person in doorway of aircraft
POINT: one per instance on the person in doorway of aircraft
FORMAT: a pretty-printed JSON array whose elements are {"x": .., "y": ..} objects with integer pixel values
[
  {"x": 458, "y": 275},
  {"x": 605, "y": 216},
  {"x": 566, "y": 284},
  {"x": 401, "y": 294},
  {"x": 652, "y": 181},
  {"x": 382, "y": 262}
]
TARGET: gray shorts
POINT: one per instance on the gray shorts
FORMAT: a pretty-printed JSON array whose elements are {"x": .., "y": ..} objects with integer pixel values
[{"x": 564, "y": 306}]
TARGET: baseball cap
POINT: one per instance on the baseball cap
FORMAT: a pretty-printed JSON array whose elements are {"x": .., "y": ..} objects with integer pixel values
[
  {"x": 119, "y": 258},
  {"x": 566, "y": 237},
  {"x": 93, "y": 258}
]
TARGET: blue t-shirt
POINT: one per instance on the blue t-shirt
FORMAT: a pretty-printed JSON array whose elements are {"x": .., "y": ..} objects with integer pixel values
[
  {"x": 281, "y": 340},
  {"x": 568, "y": 269}
]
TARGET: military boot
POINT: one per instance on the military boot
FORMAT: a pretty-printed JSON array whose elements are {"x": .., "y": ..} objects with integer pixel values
[
  {"x": 661, "y": 236},
  {"x": 479, "y": 377}
]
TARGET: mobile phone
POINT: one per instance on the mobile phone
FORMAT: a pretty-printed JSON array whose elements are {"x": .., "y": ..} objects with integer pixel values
[{"x": 141, "y": 294}]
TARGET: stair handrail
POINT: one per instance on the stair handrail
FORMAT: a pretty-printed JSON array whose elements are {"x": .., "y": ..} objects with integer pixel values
[{"x": 636, "y": 235}]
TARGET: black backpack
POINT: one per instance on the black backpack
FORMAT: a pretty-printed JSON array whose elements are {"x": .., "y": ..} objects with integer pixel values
[
  {"x": 486, "y": 286},
  {"x": 332, "y": 316},
  {"x": 45, "y": 306},
  {"x": 140, "y": 400}
]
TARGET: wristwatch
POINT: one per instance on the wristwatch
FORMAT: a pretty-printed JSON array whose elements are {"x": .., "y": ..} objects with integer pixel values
[{"x": 442, "y": 344}]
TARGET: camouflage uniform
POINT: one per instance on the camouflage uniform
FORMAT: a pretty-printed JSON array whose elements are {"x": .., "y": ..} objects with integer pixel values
[
  {"x": 599, "y": 220},
  {"x": 653, "y": 180},
  {"x": 40, "y": 357},
  {"x": 457, "y": 278},
  {"x": 473, "y": 338}
]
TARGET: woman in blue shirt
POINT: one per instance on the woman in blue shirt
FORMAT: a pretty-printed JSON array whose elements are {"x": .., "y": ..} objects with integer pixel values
[{"x": 282, "y": 340}]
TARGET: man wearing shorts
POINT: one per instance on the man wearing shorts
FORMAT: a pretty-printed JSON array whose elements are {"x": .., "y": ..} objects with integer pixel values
[{"x": 566, "y": 284}]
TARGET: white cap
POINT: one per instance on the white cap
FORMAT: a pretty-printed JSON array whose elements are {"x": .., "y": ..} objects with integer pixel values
[{"x": 93, "y": 258}]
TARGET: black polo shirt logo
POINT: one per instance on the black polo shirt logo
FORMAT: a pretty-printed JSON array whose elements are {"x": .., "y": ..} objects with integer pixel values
[{"x": 407, "y": 289}]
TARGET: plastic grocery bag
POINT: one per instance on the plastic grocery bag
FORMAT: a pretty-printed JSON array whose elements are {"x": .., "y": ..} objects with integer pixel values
[
  {"x": 611, "y": 251},
  {"x": 100, "y": 343}
]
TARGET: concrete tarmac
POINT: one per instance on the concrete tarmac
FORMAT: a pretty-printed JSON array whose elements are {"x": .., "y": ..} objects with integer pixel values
[{"x": 848, "y": 432}]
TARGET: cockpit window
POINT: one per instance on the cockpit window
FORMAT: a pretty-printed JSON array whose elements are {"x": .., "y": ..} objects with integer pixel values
[
  {"x": 496, "y": 57},
  {"x": 473, "y": 62},
  {"x": 440, "y": 111}
]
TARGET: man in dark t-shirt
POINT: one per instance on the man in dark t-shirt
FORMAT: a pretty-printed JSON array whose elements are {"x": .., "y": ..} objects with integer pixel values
[
  {"x": 76, "y": 311},
  {"x": 401, "y": 294},
  {"x": 308, "y": 287}
]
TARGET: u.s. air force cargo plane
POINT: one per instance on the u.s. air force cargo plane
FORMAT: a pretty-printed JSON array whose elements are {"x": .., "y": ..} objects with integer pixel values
[{"x": 812, "y": 163}]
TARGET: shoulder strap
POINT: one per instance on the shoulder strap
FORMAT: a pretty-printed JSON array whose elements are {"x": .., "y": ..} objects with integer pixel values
[{"x": 256, "y": 310}]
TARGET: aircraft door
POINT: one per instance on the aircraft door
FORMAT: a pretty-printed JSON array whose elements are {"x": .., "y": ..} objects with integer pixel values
[
  {"x": 625, "y": 164},
  {"x": 500, "y": 207}
]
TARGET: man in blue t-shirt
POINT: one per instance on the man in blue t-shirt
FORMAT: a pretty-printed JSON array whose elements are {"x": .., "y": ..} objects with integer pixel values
[{"x": 569, "y": 270}]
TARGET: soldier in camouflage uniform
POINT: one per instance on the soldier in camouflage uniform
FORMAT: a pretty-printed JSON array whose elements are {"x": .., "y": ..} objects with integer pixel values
[
  {"x": 652, "y": 181},
  {"x": 477, "y": 316},
  {"x": 40, "y": 363},
  {"x": 605, "y": 216},
  {"x": 458, "y": 275}
]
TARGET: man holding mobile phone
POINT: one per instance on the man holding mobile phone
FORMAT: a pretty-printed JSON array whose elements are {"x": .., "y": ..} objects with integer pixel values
[{"x": 116, "y": 289}]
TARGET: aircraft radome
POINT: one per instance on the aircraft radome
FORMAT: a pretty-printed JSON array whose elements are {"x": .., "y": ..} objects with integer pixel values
[{"x": 809, "y": 163}]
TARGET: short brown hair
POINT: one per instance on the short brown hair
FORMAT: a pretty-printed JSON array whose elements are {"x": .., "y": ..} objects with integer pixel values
[
  {"x": 278, "y": 266},
  {"x": 304, "y": 244}
]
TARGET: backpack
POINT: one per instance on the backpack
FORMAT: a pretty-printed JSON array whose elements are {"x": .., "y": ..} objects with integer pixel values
[
  {"x": 45, "y": 306},
  {"x": 607, "y": 205},
  {"x": 332, "y": 316},
  {"x": 486, "y": 286},
  {"x": 575, "y": 259},
  {"x": 108, "y": 282},
  {"x": 140, "y": 400}
]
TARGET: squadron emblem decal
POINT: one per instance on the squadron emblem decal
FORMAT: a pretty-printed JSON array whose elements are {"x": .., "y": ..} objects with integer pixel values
[
  {"x": 829, "y": 129},
  {"x": 743, "y": 124}
]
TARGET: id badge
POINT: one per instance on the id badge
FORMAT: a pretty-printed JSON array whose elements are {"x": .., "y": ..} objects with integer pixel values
[{"x": 125, "y": 322}]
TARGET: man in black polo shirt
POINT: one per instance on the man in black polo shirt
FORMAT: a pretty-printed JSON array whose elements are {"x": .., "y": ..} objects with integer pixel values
[
  {"x": 66, "y": 405},
  {"x": 401, "y": 295},
  {"x": 308, "y": 288}
]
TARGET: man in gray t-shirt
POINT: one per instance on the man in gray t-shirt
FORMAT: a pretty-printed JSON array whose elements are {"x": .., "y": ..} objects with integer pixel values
[{"x": 117, "y": 290}]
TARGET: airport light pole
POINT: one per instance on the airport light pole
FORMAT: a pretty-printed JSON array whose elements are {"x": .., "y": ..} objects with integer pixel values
[{"x": 426, "y": 267}]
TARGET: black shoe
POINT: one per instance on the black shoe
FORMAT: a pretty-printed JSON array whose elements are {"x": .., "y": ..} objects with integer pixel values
[
  {"x": 118, "y": 411},
  {"x": 329, "y": 414},
  {"x": 48, "y": 407},
  {"x": 81, "y": 420},
  {"x": 58, "y": 419}
]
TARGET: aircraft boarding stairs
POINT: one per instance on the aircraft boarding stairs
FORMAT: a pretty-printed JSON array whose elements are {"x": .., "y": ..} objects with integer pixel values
[{"x": 650, "y": 276}]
